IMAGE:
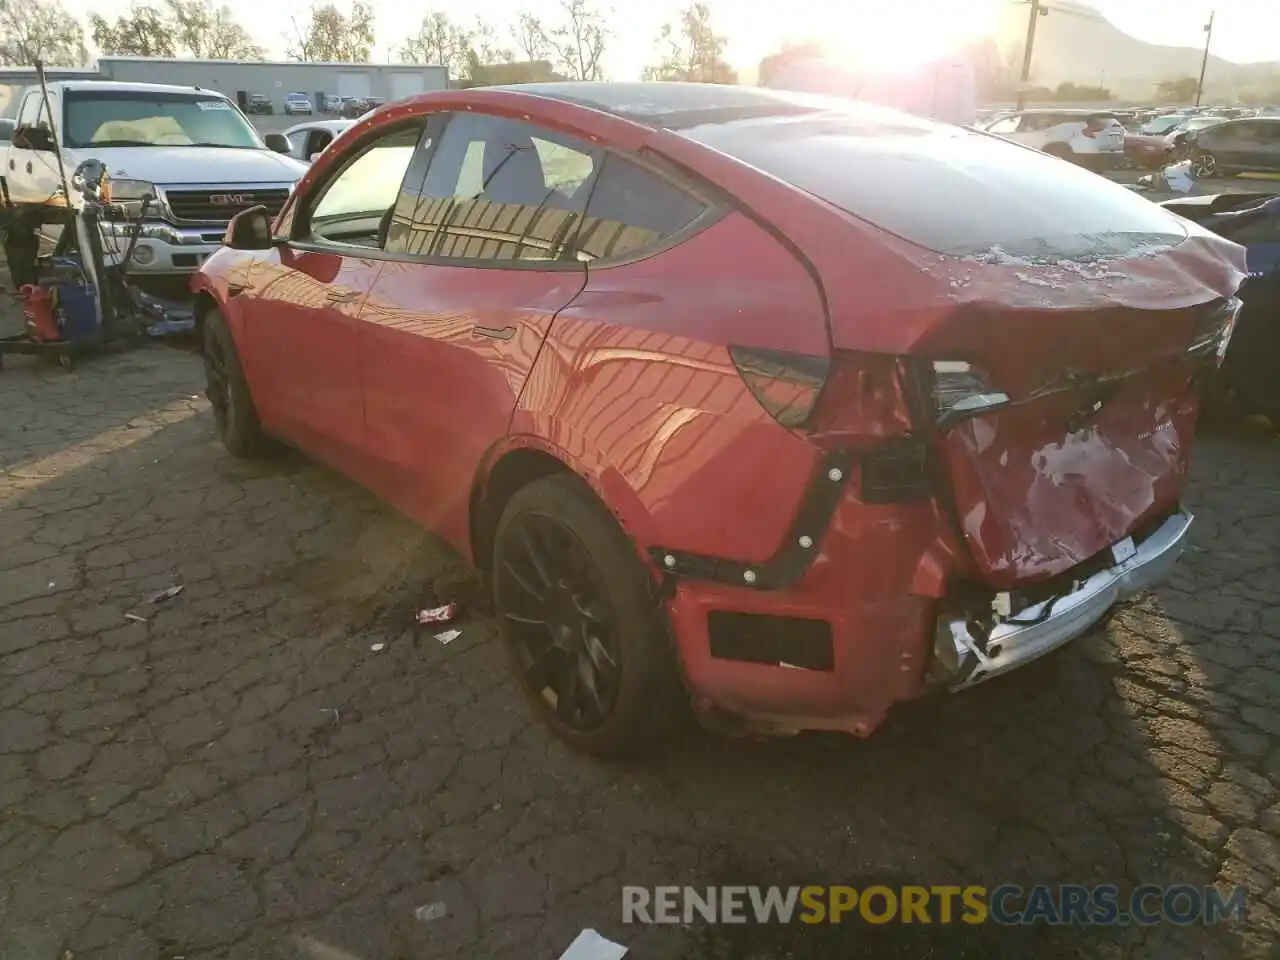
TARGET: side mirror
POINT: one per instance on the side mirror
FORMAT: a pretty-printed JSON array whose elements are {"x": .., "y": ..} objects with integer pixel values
[
  {"x": 277, "y": 142},
  {"x": 34, "y": 138},
  {"x": 249, "y": 230}
]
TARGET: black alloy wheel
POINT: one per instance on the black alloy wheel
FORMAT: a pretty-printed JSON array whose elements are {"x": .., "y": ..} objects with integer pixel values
[
  {"x": 555, "y": 608},
  {"x": 228, "y": 392},
  {"x": 582, "y": 622}
]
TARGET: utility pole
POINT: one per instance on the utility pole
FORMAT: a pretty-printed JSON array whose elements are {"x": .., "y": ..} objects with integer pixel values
[
  {"x": 1204, "y": 64},
  {"x": 1037, "y": 11}
]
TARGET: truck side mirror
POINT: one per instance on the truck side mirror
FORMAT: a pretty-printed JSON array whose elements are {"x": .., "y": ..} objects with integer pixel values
[
  {"x": 277, "y": 142},
  {"x": 31, "y": 137},
  {"x": 249, "y": 230}
]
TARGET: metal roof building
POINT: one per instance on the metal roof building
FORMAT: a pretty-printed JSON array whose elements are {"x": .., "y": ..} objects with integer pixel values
[{"x": 238, "y": 79}]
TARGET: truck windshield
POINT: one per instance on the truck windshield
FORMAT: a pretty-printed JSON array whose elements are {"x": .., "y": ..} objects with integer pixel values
[{"x": 126, "y": 118}]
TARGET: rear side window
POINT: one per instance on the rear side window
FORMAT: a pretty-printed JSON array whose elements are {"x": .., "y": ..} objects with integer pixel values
[
  {"x": 633, "y": 209},
  {"x": 948, "y": 189}
]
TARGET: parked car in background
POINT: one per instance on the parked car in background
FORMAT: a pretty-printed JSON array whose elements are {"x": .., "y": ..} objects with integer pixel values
[
  {"x": 295, "y": 103},
  {"x": 723, "y": 421},
  {"x": 1158, "y": 126},
  {"x": 308, "y": 140},
  {"x": 1250, "y": 373},
  {"x": 1177, "y": 137},
  {"x": 259, "y": 103},
  {"x": 1149, "y": 151},
  {"x": 1086, "y": 137},
  {"x": 191, "y": 150},
  {"x": 353, "y": 107},
  {"x": 1235, "y": 146}
]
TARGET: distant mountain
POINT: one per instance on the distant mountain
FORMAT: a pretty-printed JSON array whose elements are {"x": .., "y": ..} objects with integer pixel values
[{"x": 1076, "y": 44}]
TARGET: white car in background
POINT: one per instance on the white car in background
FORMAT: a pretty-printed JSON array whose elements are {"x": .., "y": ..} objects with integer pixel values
[
  {"x": 298, "y": 103},
  {"x": 308, "y": 140},
  {"x": 1087, "y": 137}
]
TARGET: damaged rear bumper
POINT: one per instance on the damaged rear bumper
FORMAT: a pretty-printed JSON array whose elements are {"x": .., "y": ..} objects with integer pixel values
[{"x": 964, "y": 658}]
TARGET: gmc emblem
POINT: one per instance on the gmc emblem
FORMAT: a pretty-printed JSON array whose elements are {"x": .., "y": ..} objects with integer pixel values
[{"x": 231, "y": 199}]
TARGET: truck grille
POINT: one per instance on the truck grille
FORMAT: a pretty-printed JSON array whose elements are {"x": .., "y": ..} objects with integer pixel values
[{"x": 220, "y": 204}]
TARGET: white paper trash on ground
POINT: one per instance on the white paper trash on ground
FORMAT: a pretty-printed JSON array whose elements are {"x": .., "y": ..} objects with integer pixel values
[{"x": 589, "y": 945}]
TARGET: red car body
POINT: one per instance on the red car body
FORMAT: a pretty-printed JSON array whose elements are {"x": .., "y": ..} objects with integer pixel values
[
  {"x": 1147, "y": 150},
  {"x": 855, "y": 466}
]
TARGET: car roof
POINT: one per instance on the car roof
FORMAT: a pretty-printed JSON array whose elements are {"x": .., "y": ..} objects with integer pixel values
[
  {"x": 118, "y": 86},
  {"x": 674, "y": 105}
]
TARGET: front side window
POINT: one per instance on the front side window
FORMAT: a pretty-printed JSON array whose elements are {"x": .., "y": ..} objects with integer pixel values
[
  {"x": 354, "y": 203},
  {"x": 1005, "y": 127},
  {"x": 146, "y": 119},
  {"x": 632, "y": 209},
  {"x": 32, "y": 112},
  {"x": 496, "y": 189}
]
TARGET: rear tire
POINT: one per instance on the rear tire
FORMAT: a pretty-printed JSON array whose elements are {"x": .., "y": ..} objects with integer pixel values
[
  {"x": 582, "y": 622},
  {"x": 228, "y": 392}
]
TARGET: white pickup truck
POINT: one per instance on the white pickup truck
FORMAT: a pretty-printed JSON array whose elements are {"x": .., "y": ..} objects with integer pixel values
[{"x": 191, "y": 149}]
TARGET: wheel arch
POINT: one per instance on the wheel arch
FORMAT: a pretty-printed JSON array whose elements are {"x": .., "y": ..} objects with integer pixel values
[{"x": 517, "y": 461}]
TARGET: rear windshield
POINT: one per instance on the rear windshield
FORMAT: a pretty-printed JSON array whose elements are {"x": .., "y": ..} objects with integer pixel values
[{"x": 948, "y": 189}]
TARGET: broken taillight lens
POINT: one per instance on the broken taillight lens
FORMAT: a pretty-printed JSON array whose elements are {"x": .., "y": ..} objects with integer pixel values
[
  {"x": 786, "y": 384},
  {"x": 1212, "y": 332},
  {"x": 961, "y": 390}
]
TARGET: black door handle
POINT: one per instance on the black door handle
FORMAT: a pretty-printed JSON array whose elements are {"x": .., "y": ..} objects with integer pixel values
[
  {"x": 28, "y": 166},
  {"x": 505, "y": 333}
]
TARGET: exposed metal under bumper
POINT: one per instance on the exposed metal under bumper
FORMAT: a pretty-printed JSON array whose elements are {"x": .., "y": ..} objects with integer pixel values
[{"x": 1044, "y": 627}]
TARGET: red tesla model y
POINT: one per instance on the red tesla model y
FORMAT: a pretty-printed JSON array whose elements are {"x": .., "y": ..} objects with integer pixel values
[{"x": 787, "y": 407}]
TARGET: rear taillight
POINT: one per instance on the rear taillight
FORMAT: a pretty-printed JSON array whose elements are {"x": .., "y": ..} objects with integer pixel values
[
  {"x": 847, "y": 397},
  {"x": 787, "y": 385},
  {"x": 1212, "y": 332},
  {"x": 961, "y": 390}
]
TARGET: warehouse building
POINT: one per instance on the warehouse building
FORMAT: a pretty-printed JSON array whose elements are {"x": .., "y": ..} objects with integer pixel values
[{"x": 242, "y": 79}]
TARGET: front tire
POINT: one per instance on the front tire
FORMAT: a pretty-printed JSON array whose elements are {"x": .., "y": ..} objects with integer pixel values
[
  {"x": 582, "y": 622},
  {"x": 228, "y": 391},
  {"x": 1204, "y": 165}
]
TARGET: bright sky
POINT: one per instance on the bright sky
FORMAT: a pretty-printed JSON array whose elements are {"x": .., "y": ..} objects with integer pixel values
[{"x": 901, "y": 30}]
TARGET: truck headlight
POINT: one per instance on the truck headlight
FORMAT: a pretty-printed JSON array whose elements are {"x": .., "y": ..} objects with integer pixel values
[{"x": 116, "y": 191}]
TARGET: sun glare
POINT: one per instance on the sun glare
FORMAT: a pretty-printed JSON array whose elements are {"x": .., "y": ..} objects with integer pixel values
[{"x": 905, "y": 33}]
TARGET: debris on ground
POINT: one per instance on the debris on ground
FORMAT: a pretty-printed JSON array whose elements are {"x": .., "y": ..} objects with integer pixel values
[
  {"x": 448, "y": 636},
  {"x": 589, "y": 945},
  {"x": 377, "y": 647},
  {"x": 168, "y": 593},
  {"x": 135, "y": 617},
  {"x": 438, "y": 614},
  {"x": 431, "y": 911}
]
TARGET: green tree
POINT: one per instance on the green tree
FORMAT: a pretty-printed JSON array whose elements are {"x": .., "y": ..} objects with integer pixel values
[
  {"x": 692, "y": 50},
  {"x": 211, "y": 33},
  {"x": 1178, "y": 90},
  {"x": 579, "y": 38},
  {"x": 145, "y": 31},
  {"x": 331, "y": 36},
  {"x": 33, "y": 30}
]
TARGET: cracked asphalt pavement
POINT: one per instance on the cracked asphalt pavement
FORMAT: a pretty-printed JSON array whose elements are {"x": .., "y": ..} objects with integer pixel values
[{"x": 238, "y": 774}]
